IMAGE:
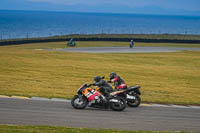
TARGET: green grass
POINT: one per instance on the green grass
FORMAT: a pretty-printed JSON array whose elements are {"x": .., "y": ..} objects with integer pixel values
[
  {"x": 54, "y": 129},
  {"x": 171, "y": 78}
]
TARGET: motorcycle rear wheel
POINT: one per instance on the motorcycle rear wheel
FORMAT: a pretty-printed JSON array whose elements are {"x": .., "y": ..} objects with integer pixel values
[
  {"x": 135, "y": 102},
  {"x": 119, "y": 106},
  {"x": 79, "y": 102}
]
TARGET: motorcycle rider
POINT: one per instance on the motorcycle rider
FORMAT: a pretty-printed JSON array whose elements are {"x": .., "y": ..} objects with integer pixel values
[
  {"x": 117, "y": 80},
  {"x": 105, "y": 88}
]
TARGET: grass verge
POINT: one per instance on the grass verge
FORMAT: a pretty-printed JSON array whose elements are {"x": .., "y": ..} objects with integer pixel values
[
  {"x": 54, "y": 129},
  {"x": 171, "y": 78}
]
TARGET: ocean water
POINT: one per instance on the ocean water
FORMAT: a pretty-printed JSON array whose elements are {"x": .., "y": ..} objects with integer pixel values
[{"x": 28, "y": 24}]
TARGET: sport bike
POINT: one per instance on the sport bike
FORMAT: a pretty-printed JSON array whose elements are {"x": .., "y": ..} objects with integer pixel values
[
  {"x": 92, "y": 97},
  {"x": 131, "y": 95}
]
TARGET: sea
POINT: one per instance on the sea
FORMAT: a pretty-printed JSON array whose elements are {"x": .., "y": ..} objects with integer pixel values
[{"x": 30, "y": 24}]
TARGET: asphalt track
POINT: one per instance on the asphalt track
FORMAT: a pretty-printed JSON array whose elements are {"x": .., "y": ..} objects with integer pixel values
[
  {"x": 126, "y": 49},
  {"x": 39, "y": 112}
]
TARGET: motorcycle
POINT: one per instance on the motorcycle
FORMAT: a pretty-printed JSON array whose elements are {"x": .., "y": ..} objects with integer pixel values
[
  {"x": 92, "y": 97},
  {"x": 131, "y": 44},
  {"x": 130, "y": 94}
]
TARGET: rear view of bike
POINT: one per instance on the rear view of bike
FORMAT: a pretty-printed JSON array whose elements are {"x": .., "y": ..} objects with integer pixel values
[{"x": 133, "y": 96}]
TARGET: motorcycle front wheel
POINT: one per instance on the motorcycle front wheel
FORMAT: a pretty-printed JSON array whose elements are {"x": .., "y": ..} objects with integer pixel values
[
  {"x": 134, "y": 102},
  {"x": 118, "y": 106},
  {"x": 79, "y": 102}
]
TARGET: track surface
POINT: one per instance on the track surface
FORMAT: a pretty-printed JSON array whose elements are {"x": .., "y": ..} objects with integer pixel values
[
  {"x": 35, "y": 112},
  {"x": 125, "y": 49}
]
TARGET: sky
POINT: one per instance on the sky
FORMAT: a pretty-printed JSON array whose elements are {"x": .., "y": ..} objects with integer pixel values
[{"x": 158, "y": 7}]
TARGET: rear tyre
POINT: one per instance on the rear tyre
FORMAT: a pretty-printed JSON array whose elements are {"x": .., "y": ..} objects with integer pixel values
[
  {"x": 134, "y": 102},
  {"x": 79, "y": 102},
  {"x": 118, "y": 106}
]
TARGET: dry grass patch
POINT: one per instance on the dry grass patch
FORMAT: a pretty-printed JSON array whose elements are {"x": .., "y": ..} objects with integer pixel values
[{"x": 165, "y": 77}]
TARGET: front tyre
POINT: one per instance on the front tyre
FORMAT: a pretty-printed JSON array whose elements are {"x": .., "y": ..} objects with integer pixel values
[
  {"x": 134, "y": 102},
  {"x": 79, "y": 102},
  {"x": 118, "y": 106}
]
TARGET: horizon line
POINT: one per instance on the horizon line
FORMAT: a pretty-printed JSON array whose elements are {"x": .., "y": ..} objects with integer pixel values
[{"x": 102, "y": 13}]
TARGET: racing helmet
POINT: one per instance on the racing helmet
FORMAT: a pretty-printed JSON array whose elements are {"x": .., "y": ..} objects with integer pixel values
[
  {"x": 112, "y": 75},
  {"x": 97, "y": 78}
]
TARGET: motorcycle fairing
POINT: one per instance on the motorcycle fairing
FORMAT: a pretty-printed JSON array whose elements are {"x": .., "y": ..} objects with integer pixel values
[{"x": 90, "y": 94}]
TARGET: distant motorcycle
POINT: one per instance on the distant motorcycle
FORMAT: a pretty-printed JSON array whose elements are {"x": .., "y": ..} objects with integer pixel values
[
  {"x": 131, "y": 44},
  {"x": 92, "y": 97},
  {"x": 71, "y": 43}
]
